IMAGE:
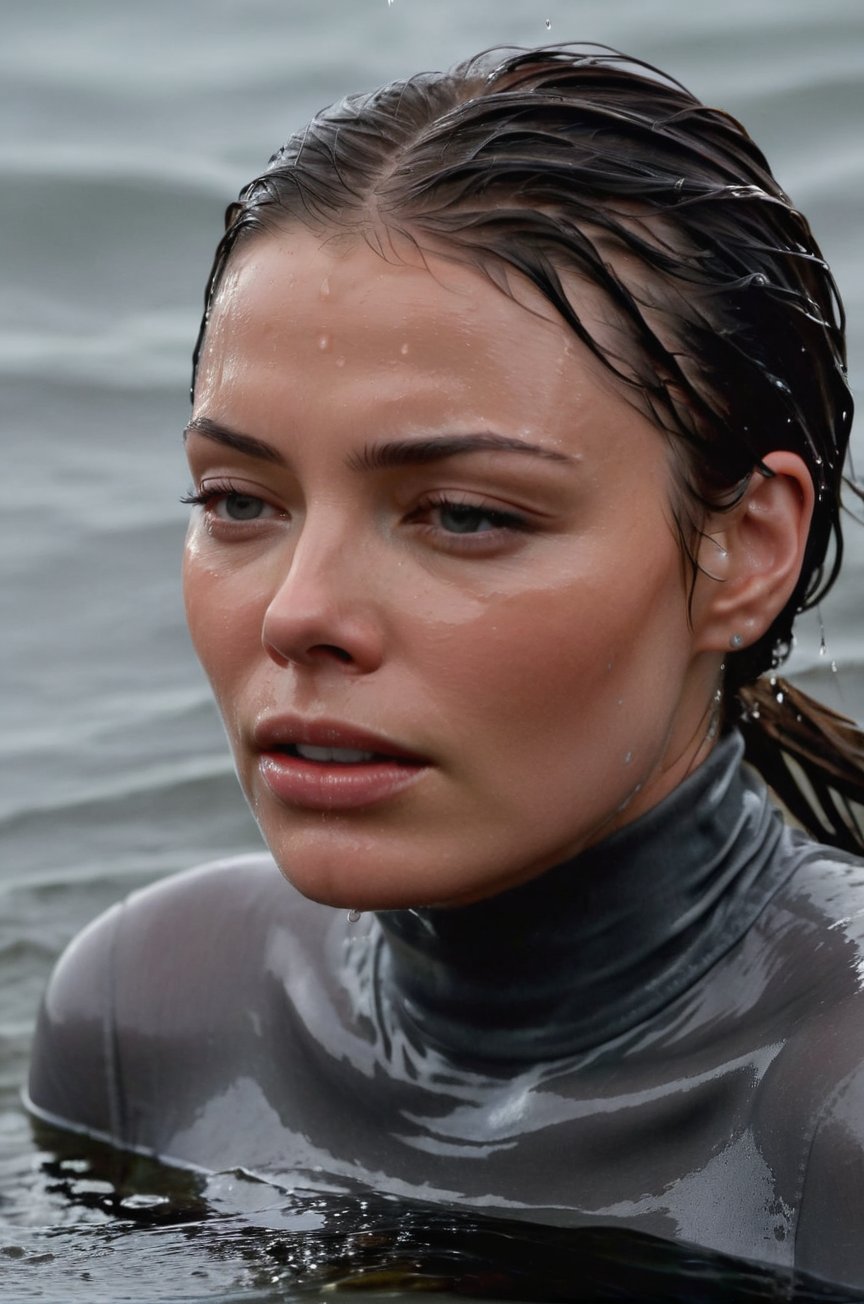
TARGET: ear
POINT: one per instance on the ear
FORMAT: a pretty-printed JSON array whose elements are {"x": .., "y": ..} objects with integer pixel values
[{"x": 750, "y": 558}]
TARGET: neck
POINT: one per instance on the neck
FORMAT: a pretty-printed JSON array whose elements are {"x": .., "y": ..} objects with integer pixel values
[{"x": 596, "y": 945}]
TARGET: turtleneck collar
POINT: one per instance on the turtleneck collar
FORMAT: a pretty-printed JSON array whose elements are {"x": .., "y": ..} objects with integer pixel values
[{"x": 596, "y": 945}]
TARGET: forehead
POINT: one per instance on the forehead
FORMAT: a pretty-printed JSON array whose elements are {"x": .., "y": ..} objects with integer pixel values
[{"x": 306, "y": 330}]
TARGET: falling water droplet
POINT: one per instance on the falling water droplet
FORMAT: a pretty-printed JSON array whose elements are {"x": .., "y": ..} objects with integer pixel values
[
  {"x": 548, "y": 23},
  {"x": 354, "y": 916},
  {"x": 834, "y": 667}
]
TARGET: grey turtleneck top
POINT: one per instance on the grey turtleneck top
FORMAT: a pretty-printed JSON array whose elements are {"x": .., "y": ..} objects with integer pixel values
[{"x": 665, "y": 1033}]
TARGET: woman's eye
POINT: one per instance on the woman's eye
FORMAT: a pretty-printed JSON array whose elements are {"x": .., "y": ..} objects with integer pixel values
[
  {"x": 457, "y": 518},
  {"x": 234, "y": 506},
  {"x": 222, "y": 503},
  {"x": 471, "y": 518}
]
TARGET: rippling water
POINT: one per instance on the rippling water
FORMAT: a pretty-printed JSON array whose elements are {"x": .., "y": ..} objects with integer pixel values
[{"x": 128, "y": 127}]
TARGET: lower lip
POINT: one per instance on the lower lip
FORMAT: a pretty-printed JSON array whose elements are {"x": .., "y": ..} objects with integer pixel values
[{"x": 317, "y": 785}]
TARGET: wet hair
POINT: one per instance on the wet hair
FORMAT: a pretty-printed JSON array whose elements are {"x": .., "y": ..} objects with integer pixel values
[{"x": 718, "y": 316}]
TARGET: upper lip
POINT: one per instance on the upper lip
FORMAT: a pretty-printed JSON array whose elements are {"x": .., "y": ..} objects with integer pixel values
[{"x": 289, "y": 730}]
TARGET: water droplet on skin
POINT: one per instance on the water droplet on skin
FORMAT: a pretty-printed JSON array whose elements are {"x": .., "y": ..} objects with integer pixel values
[
  {"x": 325, "y": 288},
  {"x": 340, "y": 362},
  {"x": 628, "y": 759},
  {"x": 404, "y": 350},
  {"x": 324, "y": 343},
  {"x": 354, "y": 916}
]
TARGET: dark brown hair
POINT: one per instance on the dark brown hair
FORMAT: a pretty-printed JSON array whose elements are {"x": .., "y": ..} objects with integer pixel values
[{"x": 728, "y": 329}]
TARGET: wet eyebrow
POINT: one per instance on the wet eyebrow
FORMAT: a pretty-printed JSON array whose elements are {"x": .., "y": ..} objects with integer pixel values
[
  {"x": 379, "y": 457},
  {"x": 417, "y": 452},
  {"x": 233, "y": 439}
]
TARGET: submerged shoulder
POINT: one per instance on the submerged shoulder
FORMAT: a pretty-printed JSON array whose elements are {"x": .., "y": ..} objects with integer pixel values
[{"x": 180, "y": 944}]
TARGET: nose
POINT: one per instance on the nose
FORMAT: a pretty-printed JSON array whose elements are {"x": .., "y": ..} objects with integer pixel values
[{"x": 323, "y": 612}]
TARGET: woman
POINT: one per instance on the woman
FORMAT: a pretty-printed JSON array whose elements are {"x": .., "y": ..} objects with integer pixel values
[{"x": 519, "y": 421}]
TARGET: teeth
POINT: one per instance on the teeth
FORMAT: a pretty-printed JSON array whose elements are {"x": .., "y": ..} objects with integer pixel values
[{"x": 341, "y": 755}]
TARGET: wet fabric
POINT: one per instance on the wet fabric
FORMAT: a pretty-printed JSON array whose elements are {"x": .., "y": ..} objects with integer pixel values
[{"x": 665, "y": 1033}]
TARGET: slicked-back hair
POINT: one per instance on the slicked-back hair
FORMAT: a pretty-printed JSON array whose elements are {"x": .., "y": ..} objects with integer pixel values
[{"x": 571, "y": 164}]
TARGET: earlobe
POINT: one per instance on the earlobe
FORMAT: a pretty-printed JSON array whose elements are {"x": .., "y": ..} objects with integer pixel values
[{"x": 750, "y": 558}]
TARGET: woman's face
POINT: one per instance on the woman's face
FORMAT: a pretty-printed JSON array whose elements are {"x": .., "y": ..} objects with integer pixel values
[{"x": 433, "y": 577}]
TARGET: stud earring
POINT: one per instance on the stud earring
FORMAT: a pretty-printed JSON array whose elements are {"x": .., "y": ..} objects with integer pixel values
[{"x": 735, "y": 641}]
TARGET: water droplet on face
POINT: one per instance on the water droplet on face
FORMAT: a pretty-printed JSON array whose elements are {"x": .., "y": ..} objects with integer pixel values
[
  {"x": 340, "y": 362},
  {"x": 404, "y": 350},
  {"x": 628, "y": 759},
  {"x": 323, "y": 343},
  {"x": 325, "y": 288}
]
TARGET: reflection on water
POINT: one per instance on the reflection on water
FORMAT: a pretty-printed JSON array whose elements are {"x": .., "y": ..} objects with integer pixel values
[{"x": 233, "y": 1236}]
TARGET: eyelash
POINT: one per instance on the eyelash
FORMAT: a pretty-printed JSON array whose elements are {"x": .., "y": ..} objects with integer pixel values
[
  {"x": 209, "y": 493},
  {"x": 500, "y": 521}
]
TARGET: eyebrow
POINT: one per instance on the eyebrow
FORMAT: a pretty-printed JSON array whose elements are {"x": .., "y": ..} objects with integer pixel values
[
  {"x": 378, "y": 457},
  {"x": 414, "y": 452},
  {"x": 233, "y": 439}
]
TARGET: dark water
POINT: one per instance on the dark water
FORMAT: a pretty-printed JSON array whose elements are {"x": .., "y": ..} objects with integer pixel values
[{"x": 125, "y": 129}]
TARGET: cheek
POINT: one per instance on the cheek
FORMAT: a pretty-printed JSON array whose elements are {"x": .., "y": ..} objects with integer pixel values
[
  {"x": 224, "y": 613},
  {"x": 555, "y": 664}
]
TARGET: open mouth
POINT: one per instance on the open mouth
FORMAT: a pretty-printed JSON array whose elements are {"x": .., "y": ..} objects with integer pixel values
[{"x": 340, "y": 755}]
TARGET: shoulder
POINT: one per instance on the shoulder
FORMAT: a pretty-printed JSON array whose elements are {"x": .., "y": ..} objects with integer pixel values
[{"x": 166, "y": 956}]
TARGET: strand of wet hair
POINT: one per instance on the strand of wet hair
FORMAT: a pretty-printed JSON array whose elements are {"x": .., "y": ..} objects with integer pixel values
[{"x": 811, "y": 756}]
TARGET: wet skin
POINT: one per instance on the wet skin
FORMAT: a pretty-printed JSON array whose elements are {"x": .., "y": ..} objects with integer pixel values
[{"x": 515, "y": 618}]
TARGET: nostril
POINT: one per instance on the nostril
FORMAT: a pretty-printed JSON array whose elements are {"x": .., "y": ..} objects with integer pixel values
[{"x": 330, "y": 649}]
